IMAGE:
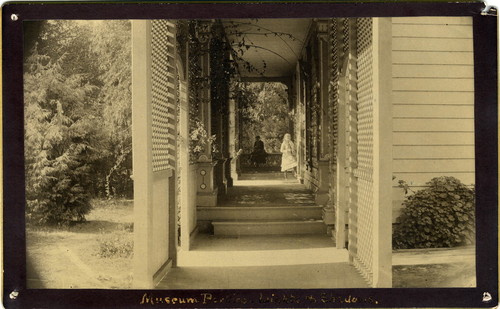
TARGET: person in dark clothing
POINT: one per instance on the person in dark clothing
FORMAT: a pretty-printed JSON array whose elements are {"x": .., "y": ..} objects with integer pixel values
[{"x": 258, "y": 155}]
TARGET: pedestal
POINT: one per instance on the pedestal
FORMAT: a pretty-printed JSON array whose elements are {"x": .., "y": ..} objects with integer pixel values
[
  {"x": 228, "y": 172},
  {"x": 321, "y": 194},
  {"x": 220, "y": 176},
  {"x": 328, "y": 217},
  {"x": 207, "y": 189}
]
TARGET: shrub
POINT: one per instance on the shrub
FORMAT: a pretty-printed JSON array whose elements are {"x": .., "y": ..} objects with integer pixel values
[
  {"x": 441, "y": 215},
  {"x": 57, "y": 196},
  {"x": 119, "y": 244}
]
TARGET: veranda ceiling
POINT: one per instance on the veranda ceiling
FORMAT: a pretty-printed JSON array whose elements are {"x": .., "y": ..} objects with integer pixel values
[{"x": 272, "y": 46}]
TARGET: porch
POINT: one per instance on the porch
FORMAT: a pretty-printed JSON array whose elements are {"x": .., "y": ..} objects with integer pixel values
[
  {"x": 273, "y": 236},
  {"x": 360, "y": 114},
  {"x": 295, "y": 268},
  {"x": 187, "y": 132}
]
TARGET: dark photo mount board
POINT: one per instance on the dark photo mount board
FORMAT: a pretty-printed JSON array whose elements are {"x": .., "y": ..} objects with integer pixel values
[{"x": 486, "y": 150}]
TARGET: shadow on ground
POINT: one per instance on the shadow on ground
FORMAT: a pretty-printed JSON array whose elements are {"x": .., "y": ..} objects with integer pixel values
[{"x": 72, "y": 257}]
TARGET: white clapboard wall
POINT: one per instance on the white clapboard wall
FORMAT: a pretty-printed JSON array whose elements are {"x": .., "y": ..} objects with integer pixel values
[{"x": 433, "y": 100}]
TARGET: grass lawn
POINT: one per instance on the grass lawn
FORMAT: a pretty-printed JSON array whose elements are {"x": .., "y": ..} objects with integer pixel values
[
  {"x": 434, "y": 275},
  {"x": 434, "y": 267},
  {"x": 72, "y": 257}
]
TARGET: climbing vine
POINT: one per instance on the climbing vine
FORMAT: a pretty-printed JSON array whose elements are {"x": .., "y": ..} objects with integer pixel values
[
  {"x": 226, "y": 44},
  {"x": 192, "y": 34},
  {"x": 240, "y": 42}
]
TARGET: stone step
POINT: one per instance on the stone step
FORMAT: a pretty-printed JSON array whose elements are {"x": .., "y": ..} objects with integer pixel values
[
  {"x": 284, "y": 212},
  {"x": 268, "y": 227}
]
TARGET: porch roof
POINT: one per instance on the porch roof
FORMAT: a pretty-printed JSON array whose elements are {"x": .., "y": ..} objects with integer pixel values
[{"x": 276, "y": 42}]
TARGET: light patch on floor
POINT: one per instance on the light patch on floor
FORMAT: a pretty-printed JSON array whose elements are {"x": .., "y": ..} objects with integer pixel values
[{"x": 261, "y": 257}]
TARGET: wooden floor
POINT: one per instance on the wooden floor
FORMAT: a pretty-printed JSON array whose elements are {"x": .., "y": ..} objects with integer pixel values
[
  {"x": 264, "y": 261},
  {"x": 269, "y": 189},
  {"x": 312, "y": 276}
]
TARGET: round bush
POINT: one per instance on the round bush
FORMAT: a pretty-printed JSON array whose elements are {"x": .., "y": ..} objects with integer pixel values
[{"x": 441, "y": 215}]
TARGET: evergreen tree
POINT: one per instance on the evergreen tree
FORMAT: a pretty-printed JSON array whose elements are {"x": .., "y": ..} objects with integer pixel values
[
  {"x": 112, "y": 46},
  {"x": 77, "y": 117},
  {"x": 58, "y": 142}
]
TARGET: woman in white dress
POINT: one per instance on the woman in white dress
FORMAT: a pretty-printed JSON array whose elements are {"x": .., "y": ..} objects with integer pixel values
[{"x": 288, "y": 161}]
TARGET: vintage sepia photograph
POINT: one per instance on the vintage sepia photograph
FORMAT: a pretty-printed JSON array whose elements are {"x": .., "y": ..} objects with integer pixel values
[{"x": 269, "y": 153}]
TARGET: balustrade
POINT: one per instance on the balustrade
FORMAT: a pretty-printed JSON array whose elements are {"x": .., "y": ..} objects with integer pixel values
[{"x": 273, "y": 162}]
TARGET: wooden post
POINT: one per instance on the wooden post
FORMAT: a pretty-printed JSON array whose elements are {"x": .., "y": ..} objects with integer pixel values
[
  {"x": 324, "y": 83},
  {"x": 341, "y": 198},
  {"x": 233, "y": 139},
  {"x": 142, "y": 153},
  {"x": 382, "y": 148},
  {"x": 184, "y": 166},
  {"x": 324, "y": 177},
  {"x": 154, "y": 184},
  {"x": 207, "y": 186},
  {"x": 299, "y": 124}
]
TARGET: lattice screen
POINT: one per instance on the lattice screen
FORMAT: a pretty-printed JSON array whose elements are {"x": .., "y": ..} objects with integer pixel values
[
  {"x": 352, "y": 136},
  {"x": 345, "y": 36},
  {"x": 350, "y": 41},
  {"x": 314, "y": 103},
  {"x": 364, "y": 256},
  {"x": 164, "y": 93},
  {"x": 333, "y": 91},
  {"x": 333, "y": 104}
]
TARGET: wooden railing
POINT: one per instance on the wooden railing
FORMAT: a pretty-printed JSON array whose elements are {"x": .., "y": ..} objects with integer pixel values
[{"x": 273, "y": 161}]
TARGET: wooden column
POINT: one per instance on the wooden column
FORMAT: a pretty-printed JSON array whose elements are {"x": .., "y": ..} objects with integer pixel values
[
  {"x": 206, "y": 184},
  {"x": 382, "y": 147},
  {"x": 299, "y": 125},
  {"x": 154, "y": 150},
  {"x": 184, "y": 166},
  {"x": 346, "y": 90},
  {"x": 341, "y": 175},
  {"x": 324, "y": 84},
  {"x": 142, "y": 153},
  {"x": 322, "y": 196},
  {"x": 233, "y": 139}
]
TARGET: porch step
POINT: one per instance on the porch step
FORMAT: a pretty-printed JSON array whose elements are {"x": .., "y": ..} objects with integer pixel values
[
  {"x": 259, "y": 213},
  {"x": 268, "y": 227}
]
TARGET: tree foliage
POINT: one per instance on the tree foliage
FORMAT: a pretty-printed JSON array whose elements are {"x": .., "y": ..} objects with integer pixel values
[
  {"x": 57, "y": 143},
  {"x": 227, "y": 44},
  {"x": 264, "y": 111},
  {"x": 112, "y": 46},
  {"x": 77, "y": 116}
]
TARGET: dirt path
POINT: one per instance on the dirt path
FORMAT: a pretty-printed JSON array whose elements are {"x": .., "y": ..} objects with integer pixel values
[{"x": 70, "y": 258}]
